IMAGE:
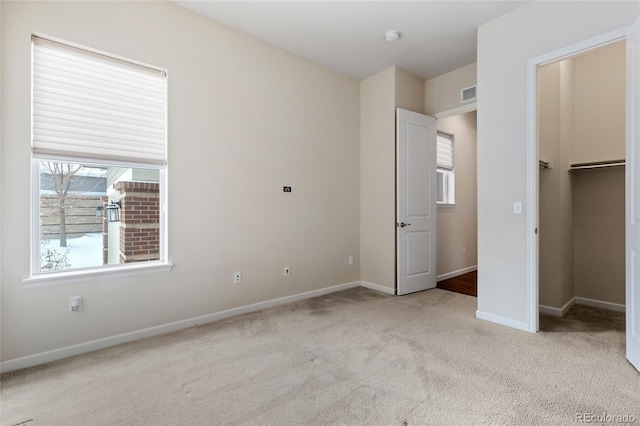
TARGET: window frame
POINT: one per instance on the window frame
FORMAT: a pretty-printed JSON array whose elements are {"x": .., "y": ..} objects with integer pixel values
[
  {"x": 39, "y": 278},
  {"x": 36, "y": 275},
  {"x": 448, "y": 180},
  {"x": 448, "y": 191}
]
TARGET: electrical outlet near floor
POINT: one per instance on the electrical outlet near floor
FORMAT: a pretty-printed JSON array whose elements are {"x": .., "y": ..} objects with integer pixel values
[
  {"x": 237, "y": 277},
  {"x": 287, "y": 271}
]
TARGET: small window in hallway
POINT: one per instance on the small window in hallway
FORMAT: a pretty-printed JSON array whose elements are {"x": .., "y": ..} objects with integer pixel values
[{"x": 445, "y": 175}]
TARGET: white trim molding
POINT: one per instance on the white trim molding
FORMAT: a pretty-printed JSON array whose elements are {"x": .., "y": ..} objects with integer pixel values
[
  {"x": 87, "y": 275},
  {"x": 601, "y": 304},
  {"x": 457, "y": 273},
  {"x": 560, "y": 312},
  {"x": 81, "y": 348},
  {"x": 557, "y": 312},
  {"x": 457, "y": 110},
  {"x": 519, "y": 325},
  {"x": 378, "y": 287}
]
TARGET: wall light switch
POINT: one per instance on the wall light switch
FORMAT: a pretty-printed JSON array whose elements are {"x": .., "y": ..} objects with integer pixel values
[{"x": 517, "y": 207}]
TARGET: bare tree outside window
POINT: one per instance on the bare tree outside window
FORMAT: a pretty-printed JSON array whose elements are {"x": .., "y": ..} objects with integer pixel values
[
  {"x": 70, "y": 193},
  {"x": 61, "y": 176}
]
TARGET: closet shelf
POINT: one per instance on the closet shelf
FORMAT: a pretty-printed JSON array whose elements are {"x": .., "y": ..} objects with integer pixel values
[{"x": 596, "y": 165}]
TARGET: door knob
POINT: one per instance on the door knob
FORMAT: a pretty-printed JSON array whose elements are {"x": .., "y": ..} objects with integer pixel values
[{"x": 402, "y": 224}]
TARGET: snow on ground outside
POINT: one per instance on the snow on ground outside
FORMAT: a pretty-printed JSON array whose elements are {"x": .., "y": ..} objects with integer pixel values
[{"x": 84, "y": 252}]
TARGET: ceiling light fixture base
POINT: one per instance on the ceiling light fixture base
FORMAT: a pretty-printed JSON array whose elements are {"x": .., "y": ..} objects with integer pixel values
[{"x": 391, "y": 36}]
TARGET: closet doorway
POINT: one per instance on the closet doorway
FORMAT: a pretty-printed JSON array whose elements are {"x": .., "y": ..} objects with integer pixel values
[
  {"x": 581, "y": 184},
  {"x": 631, "y": 36}
]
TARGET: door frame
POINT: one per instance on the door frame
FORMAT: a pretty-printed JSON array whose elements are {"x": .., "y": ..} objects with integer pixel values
[{"x": 532, "y": 158}]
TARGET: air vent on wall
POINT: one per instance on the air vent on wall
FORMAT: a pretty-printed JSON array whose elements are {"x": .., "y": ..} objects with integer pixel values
[{"x": 468, "y": 94}]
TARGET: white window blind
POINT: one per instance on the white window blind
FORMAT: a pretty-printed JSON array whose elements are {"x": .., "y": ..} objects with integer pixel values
[
  {"x": 444, "y": 151},
  {"x": 91, "y": 105}
]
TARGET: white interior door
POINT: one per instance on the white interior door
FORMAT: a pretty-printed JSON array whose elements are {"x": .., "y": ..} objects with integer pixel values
[
  {"x": 633, "y": 195},
  {"x": 416, "y": 201}
]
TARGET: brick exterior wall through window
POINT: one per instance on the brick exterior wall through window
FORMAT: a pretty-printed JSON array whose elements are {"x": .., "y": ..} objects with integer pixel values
[{"x": 139, "y": 221}]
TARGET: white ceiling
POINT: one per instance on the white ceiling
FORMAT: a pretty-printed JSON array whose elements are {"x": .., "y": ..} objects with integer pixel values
[{"x": 349, "y": 36}]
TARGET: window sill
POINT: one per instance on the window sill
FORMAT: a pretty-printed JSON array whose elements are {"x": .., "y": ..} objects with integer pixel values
[
  {"x": 446, "y": 204},
  {"x": 72, "y": 277}
]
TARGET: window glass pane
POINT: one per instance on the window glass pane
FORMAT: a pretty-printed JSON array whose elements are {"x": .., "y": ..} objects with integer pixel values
[
  {"x": 440, "y": 187},
  {"x": 95, "y": 215}
]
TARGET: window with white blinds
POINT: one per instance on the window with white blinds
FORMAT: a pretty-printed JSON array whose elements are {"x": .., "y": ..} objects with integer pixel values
[
  {"x": 99, "y": 163},
  {"x": 444, "y": 151},
  {"x": 90, "y": 105}
]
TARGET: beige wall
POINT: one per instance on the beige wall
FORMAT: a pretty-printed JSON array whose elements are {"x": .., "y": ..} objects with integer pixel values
[
  {"x": 1, "y": 179},
  {"x": 555, "y": 140},
  {"x": 443, "y": 93},
  {"x": 599, "y": 196},
  {"x": 505, "y": 46},
  {"x": 380, "y": 95},
  {"x": 600, "y": 108},
  {"x": 582, "y": 214},
  {"x": 377, "y": 179},
  {"x": 409, "y": 91},
  {"x": 599, "y": 234},
  {"x": 457, "y": 225},
  {"x": 245, "y": 119}
]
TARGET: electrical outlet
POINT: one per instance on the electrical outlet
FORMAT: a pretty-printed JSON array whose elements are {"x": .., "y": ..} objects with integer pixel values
[
  {"x": 287, "y": 271},
  {"x": 350, "y": 260},
  {"x": 237, "y": 277},
  {"x": 464, "y": 250},
  {"x": 75, "y": 303}
]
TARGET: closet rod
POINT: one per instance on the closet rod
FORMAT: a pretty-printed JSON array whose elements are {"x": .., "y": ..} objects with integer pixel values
[{"x": 596, "y": 165}]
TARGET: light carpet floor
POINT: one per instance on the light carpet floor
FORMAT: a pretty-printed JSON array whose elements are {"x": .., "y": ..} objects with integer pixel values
[{"x": 356, "y": 357}]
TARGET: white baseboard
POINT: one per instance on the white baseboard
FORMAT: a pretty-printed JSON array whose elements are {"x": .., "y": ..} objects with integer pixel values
[
  {"x": 519, "y": 325},
  {"x": 600, "y": 304},
  {"x": 378, "y": 287},
  {"x": 550, "y": 310},
  {"x": 560, "y": 312},
  {"x": 53, "y": 355},
  {"x": 457, "y": 273},
  {"x": 556, "y": 312}
]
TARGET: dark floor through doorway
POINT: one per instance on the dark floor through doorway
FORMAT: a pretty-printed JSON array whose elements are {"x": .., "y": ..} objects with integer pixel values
[{"x": 465, "y": 284}]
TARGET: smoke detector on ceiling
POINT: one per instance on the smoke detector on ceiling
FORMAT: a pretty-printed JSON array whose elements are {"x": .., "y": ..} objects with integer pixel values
[{"x": 392, "y": 35}]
